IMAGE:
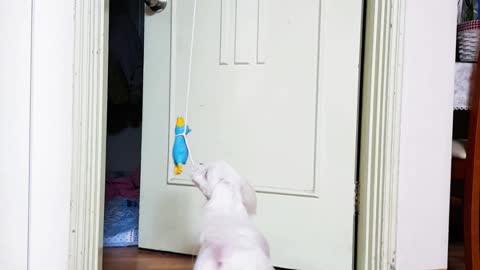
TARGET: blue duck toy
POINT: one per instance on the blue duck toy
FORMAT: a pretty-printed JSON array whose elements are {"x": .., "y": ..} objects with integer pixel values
[{"x": 180, "y": 149}]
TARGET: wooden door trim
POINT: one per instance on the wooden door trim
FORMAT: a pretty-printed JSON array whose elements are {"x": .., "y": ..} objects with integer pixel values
[
  {"x": 378, "y": 174},
  {"x": 380, "y": 134}
]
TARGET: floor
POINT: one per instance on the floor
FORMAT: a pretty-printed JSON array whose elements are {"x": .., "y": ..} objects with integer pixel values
[
  {"x": 455, "y": 257},
  {"x": 136, "y": 259},
  {"x": 455, "y": 247}
]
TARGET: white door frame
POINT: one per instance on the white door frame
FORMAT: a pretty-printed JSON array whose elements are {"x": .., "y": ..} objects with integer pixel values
[
  {"x": 380, "y": 134},
  {"x": 89, "y": 134},
  {"x": 379, "y": 153}
]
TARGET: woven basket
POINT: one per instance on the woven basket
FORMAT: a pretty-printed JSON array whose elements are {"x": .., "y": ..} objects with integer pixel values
[{"x": 468, "y": 41}]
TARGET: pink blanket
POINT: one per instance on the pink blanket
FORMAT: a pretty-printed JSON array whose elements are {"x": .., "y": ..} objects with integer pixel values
[{"x": 125, "y": 187}]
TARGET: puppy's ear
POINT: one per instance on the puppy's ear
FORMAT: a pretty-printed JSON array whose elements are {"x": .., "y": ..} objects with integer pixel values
[{"x": 249, "y": 197}]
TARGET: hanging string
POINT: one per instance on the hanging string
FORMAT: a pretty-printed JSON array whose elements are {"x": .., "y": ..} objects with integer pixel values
[{"x": 189, "y": 81}]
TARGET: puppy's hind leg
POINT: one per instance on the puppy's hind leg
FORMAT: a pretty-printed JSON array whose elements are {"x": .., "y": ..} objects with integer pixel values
[
  {"x": 206, "y": 260},
  {"x": 247, "y": 260}
]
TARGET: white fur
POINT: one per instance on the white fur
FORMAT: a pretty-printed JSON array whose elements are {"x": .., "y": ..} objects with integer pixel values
[{"x": 229, "y": 239}]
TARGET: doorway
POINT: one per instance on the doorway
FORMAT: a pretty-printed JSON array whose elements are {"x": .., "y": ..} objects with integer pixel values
[
  {"x": 305, "y": 195},
  {"x": 124, "y": 124}
]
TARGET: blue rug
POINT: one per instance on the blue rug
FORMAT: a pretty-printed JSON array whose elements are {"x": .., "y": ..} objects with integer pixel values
[{"x": 120, "y": 223}]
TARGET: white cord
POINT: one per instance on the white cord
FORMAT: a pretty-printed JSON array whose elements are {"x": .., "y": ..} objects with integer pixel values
[{"x": 189, "y": 80}]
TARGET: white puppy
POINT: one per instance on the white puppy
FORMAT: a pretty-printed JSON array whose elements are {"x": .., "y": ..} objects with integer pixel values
[{"x": 229, "y": 238}]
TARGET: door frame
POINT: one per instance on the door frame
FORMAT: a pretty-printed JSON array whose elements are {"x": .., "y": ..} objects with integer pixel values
[
  {"x": 379, "y": 134},
  {"x": 89, "y": 134}
]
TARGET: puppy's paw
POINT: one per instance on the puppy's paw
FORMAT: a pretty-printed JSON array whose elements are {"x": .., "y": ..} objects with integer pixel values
[
  {"x": 198, "y": 168},
  {"x": 198, "y": 172}
]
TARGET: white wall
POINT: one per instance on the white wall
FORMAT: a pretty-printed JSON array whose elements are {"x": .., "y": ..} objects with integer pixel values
[
  {"x": 426, "y": 130},
  {"x": 51, "y": 131},
  {"x": 15, "y": 29}
]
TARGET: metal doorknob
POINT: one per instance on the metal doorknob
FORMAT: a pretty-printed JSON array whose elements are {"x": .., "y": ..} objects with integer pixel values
[{"x": 156, "y": 5}]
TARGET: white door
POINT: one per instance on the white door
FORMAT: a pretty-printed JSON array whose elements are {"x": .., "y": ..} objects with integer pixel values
[
  {"x": 275, "y": 93},
  {"x": 15, "y": 48}
]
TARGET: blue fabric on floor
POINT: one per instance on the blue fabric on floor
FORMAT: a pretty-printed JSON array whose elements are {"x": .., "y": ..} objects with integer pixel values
[{"x": 120, "y": 223}]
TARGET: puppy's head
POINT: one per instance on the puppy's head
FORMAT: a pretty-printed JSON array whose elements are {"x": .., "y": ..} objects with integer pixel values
[{"x": 207, "y": 177}]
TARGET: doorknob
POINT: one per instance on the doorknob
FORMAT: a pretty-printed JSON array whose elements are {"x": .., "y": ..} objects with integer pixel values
[{"x": 156, "y": 5}]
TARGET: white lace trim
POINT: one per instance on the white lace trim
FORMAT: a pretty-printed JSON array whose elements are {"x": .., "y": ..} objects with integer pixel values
[{"x": 463, "y": 72}]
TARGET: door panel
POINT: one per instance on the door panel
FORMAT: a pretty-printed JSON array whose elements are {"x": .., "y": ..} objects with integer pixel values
[{"x": 274, "y": 93}]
